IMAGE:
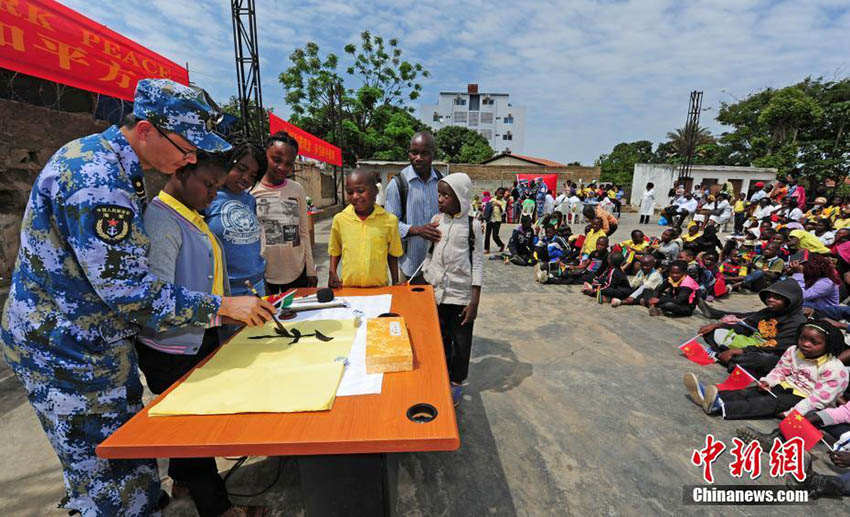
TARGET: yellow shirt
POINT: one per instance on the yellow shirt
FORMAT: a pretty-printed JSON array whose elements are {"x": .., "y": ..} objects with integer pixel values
[
  {"x": 688, "y": 238},
  {"x": 841, "y": 223},
  {"x": 364, "y": 246},
  {"x": 740, "y": 206},
  {"x": 831, "y": 211},
  {"x": 630, "y": 245},
  {"x": 590, "y": 241},
  {"x": 198, "y": 220}
]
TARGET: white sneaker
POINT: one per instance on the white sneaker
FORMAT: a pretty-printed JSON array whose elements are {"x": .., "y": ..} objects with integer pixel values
[{"x": 616, "y": 302}]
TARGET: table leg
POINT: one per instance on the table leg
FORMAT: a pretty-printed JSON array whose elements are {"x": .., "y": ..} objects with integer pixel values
[{"x": 351, "y": 484}]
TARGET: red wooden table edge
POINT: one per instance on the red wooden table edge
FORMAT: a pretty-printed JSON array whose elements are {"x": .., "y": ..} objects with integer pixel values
[{"x": 107, "y": 450}]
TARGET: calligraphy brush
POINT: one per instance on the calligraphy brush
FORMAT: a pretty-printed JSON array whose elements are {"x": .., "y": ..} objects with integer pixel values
[{"x": 280, "y": 329}]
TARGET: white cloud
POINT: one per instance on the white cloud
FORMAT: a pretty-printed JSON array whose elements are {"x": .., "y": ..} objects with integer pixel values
[{"x": 591, "y": 73}]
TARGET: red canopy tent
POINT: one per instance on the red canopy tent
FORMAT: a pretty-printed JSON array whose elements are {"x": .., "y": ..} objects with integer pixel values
[{"x": 45, "y": 39}]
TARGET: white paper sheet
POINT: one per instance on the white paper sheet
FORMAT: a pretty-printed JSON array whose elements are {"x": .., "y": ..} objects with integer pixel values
[{"x": 355, "y": 380}]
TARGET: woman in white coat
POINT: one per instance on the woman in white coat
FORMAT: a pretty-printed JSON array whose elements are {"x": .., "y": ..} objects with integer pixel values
[{"x": 647, "y": 203}]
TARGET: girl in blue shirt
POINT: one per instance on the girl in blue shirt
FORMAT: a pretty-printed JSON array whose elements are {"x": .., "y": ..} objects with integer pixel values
[{"x": 232, "y": 216}]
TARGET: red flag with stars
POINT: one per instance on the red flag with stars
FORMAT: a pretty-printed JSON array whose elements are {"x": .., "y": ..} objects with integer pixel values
[
  {"x": 696, "y": 352},
  {"x": 737, "y": 380},
  {"x": 796, "y": 424}
]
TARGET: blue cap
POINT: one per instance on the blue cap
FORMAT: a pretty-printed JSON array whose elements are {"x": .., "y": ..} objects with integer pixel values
[{"x": 185, "y": 110}]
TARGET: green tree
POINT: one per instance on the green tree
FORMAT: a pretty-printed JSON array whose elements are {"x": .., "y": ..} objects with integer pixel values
[
  {"x": 366, "y": 122},
  {"x": 574, "y": 164},
  {"x": 684, "y": 141},
  {"x": 382, "y": 69},
  {"x": 457, "y": 144},
  {"x": 802, "y": 127},
  {"x": 618, "y": 166},
  {"x": 259, "y": 123}
]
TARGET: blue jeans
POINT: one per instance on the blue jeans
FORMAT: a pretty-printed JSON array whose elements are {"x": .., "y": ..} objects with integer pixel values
[
  {"x": 836, "y": 312},
  {"x": 755, "y": 281}
]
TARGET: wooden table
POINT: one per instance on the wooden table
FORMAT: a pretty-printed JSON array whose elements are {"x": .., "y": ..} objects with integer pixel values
[{"x": 356, "y": 424}]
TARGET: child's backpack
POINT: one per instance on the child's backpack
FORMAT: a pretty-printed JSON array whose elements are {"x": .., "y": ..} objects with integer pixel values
[{"x": 488, "y": 211}]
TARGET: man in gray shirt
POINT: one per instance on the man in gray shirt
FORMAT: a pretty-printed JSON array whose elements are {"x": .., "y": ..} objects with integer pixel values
[{"x": 416, "y": 185}]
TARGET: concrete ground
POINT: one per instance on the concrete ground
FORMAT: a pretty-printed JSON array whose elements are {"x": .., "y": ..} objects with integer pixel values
[{"x": 572, "y": 408}]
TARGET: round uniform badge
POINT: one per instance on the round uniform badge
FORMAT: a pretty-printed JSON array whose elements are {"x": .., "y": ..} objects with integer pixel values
[
  {"x": 139, "y": 187},
  {"x": 112, "y": 223}
]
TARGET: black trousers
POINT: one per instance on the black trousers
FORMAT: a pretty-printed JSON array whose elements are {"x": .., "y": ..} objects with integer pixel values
[
  {"x": 672, "y": 308},
  {"x": 836, "y": 430},
  {"x": 301, "y": 281},
  {"x": 199, "y": 475},
  {"x": 755, "y": 361},
  {"x": 740, "y": 219},
  {"x": 457, "y": 340},
  {"x": 572, "y": 277},
  {"x": 617, "y": 292},
  {"x": 644, "y": 219},
  {"x": 493, "y": 228},
  {"x": 753, "y": 403}
]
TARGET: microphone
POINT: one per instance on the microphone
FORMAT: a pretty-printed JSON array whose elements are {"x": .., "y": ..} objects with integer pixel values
[{"x": 323, "y": 295}]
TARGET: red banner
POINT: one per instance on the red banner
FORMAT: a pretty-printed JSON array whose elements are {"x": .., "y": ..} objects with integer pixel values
[
  {"x": 309, "y": 145},
  {"x": 46, "y": 39}
]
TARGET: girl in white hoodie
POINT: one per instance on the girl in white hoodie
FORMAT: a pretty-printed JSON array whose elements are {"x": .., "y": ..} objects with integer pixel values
[{"x": 454, "y": 266}]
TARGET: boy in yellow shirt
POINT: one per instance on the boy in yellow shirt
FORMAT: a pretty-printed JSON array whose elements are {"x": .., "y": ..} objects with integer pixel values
[
  {"x": 593, "y": 234},
  {"x": 364, "y": 236},
  {"x": 740, "y": 212}
]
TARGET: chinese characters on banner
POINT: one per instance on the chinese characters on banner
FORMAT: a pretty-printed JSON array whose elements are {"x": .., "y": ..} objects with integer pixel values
[
  {"x": 45, "y": 39},
  {"x": 309, "y": 145},
  {"x": 785, "y": 458}
]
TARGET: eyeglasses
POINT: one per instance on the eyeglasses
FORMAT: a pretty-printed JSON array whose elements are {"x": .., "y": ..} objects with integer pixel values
[{"x": 186, "y": 154}]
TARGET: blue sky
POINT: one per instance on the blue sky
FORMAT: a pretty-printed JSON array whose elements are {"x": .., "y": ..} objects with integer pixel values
[{"x": 591, "y": 73}]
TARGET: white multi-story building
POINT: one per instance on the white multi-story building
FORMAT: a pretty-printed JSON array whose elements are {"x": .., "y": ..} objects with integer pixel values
[{"x": 490, "y": 114}]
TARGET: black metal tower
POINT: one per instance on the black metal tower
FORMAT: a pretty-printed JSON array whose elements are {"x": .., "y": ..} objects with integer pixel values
[
  {"x": 691, "y": 128},
  {"x": 248, "y": 68}
]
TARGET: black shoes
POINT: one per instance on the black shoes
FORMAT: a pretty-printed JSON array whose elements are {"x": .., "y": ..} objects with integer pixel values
[{"x": 748, "y": 434}]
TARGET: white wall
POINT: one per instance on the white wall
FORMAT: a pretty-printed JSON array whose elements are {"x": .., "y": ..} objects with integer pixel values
[{"x": 663, "y": 178}]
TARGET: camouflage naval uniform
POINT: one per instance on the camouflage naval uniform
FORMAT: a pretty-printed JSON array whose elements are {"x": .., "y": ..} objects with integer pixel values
[{"x": 80, "y": 292}]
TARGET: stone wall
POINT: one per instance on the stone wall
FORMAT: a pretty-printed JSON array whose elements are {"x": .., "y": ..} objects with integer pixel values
[
  {"x": 29, "y": 135},
  {"x": 490, "y": 177}
]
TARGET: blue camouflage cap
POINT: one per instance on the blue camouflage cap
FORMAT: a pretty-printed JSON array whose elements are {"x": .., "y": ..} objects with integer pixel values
[{"x": 185, "y": 110}]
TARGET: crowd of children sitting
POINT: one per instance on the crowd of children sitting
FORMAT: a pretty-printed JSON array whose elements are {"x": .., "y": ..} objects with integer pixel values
[{"x": 795, "y": 256}]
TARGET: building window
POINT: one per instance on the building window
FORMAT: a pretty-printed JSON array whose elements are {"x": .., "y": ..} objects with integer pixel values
[
  {"x": 473, "y": 118},
  {"x": 509, "y": 119},
  {"x": 487, "y": 101},
  {"x": 486, "y": 117},
  {"x": 460, "y": 117},
  {"x": 460, "y": 101},
  {"x": 508, "y": 136},
  {"x": 436, "y": 117},
  {"x": 486, "y": 133}
]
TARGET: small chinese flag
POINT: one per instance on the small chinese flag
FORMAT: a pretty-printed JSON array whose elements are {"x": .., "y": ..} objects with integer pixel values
[
  {"x": 796, "y": 424},
  {"x": 737, "y": 380},
  {"x": 696, "y": 352},
  {"x": 281, "y": 299}
]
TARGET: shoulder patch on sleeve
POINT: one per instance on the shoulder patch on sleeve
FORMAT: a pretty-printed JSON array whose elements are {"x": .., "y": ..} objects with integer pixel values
[{"x": 112, "y": 223}]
